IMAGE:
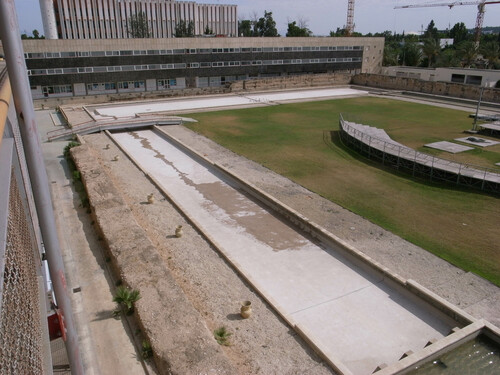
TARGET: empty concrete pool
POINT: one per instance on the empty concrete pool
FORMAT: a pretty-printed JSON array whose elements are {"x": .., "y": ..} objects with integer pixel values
[{"x": 356, "y": 317}]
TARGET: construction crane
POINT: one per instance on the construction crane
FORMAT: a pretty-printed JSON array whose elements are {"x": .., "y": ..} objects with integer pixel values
[
  {"x": 349, "y": 27},
  {"x": 480, "y": 11}
]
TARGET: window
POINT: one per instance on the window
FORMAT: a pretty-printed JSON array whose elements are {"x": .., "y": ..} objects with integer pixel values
[
  {"x": 59, "y": 89},
  {"x": 474, "y": 80},
  {"x": 166, "y": 83},
  {"x": 458, "y": 78}
]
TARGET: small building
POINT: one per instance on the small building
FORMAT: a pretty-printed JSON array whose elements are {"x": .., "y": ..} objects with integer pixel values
[{"x": 478, "y": 77}]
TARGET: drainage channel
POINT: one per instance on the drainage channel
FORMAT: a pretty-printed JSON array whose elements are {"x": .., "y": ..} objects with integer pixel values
[{"x": 357, "y": 319}]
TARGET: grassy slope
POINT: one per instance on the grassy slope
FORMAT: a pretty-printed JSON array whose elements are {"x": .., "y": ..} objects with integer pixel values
[{"x": 458, "y": 225}]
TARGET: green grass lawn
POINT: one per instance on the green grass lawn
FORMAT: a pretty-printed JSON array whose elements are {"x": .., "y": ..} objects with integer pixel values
[{"x": 458, "y": 225}]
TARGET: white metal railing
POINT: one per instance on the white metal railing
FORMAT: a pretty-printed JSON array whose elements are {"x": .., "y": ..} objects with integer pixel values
[{"x": 392, "y": 148}]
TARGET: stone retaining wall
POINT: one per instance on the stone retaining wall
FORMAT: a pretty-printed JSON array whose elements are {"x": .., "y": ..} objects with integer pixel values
[
  {"x": 291, "y": 82},
  {"x": 181, "y": 342},
  {"x": 457, "y": 90}
]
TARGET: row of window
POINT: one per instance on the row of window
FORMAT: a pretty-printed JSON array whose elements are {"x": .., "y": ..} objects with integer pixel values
[
  {"x": 183, "y": 51},
  {"x": 214, "y": 64}
]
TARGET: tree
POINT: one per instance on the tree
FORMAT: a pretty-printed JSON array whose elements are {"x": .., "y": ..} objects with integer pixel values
[
  {"x": 412, "y": 54},
  {"x": 339, "y": 32},
  {"x": 391, "y": 55},
  {"x": 184, "y": 29},
  {"x": 138, "y": 26},
  {"x": 208, "y": 31},
  {"x": 431, "y": 32},
  {"x": 448, "y": 58},
  {"x": 266, "y": 26},
  {"x": 36, "y": 34},
  {"x": 490, "y": 52},
  {"x": 295, "y": 31},
  {"x": 245, "y": 28},
  {"x": 467, "y": 51},
  {"x": 459, "y": 33},
  {"x": 431, "y": 49}
]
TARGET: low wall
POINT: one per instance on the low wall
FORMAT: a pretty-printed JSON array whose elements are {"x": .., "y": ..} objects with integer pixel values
[
  {"x": 457, "y": 90},
  {"x": 291, "y": 82},
  {"x": 110, "y": 98},
  {"x": 164, "y": 313}
]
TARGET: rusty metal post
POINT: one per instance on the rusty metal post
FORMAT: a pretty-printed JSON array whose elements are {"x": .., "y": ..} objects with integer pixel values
[{"x": 16, "y": 66}]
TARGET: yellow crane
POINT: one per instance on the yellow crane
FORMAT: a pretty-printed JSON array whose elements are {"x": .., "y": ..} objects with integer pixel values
[{"x": 480, "y": 11}]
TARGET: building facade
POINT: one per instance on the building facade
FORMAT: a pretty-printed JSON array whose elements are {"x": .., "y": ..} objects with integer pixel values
[
  {"x": 111, "y": 19},
  {"x": 469, "y": 76},
  {"x": 89, "y": 67}
]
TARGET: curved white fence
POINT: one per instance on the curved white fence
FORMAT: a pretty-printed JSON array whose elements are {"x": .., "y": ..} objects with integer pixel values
[{"x": 419, "y": 164}]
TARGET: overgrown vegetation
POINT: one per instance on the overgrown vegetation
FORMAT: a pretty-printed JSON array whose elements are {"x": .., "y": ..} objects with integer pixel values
[
  {"x": 458, "y": 225},
  {"x": 75, "y": 175},
  {"x": 222, "y": 336}
]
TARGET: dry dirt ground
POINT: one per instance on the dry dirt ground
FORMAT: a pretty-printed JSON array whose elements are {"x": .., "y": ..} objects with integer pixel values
[{"x": 264, "y": 344}]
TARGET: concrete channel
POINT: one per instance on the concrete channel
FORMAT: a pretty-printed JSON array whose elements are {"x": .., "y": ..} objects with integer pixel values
[{"x": 357, "y": 314}]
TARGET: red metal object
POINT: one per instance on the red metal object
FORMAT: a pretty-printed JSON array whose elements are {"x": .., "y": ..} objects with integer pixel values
[{"x": 54, "y": 326}]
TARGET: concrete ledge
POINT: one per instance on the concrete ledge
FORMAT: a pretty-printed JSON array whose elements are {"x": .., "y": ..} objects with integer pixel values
[
  {"x": 435, "y": 350},
  {"x": 163, "y": 307},
  {"x": 441, "y": 304}
]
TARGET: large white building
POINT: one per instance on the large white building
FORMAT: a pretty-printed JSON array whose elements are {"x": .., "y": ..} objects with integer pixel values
[{"x": 110, "y": 19}]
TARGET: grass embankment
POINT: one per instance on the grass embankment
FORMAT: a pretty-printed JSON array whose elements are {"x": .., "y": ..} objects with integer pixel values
[{"x": 458, "y": 225}]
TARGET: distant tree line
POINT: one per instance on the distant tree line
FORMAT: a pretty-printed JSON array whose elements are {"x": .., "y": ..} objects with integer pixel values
[
  {"x": 35, "y": 35},
  {"x": 426, "y": 51}
]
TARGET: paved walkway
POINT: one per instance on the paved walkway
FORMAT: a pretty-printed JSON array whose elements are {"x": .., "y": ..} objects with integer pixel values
[
  {"x": 351, "y": 314},
  {"x": 105, "y": 343}
]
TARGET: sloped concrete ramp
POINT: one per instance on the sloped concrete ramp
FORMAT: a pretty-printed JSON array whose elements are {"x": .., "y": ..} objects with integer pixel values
[{"x": 352, "y": 315}]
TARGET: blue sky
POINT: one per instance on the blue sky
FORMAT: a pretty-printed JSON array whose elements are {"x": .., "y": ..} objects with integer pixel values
[{"x": 325, "y": 15}]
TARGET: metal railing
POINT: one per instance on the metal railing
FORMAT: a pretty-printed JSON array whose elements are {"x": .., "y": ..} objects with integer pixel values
[
  {"x": 96, "y": 126},
  {"x": 419, "y": 164}
]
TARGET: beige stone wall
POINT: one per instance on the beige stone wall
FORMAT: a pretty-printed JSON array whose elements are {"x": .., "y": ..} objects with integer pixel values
[
  {"x": 290, "y": 82},
  {"x": 456, "y": 90}
]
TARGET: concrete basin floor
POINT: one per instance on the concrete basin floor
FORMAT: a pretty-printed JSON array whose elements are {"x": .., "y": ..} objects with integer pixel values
[{"x": 352, "y": 314}]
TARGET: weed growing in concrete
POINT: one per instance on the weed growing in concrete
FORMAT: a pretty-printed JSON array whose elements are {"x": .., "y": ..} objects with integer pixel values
[
  {"x": 222, "y": 335},
  {"x": 68, "y": 147},
  {"x": 147, "y": 350},
  {"x": 126, "y": 298}
]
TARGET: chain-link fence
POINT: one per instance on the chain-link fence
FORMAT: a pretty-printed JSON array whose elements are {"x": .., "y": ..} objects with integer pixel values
[{"x": 20, "y": 326}]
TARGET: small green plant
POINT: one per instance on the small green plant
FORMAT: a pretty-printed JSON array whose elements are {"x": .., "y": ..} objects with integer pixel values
[
  {"x": 222, "y": 335},
  {"x": 147, "y": 350},
  {"x": 68, "y": 147},
  {"x": 126, "y": 298},
  {"x": 77, "y": 176}
]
